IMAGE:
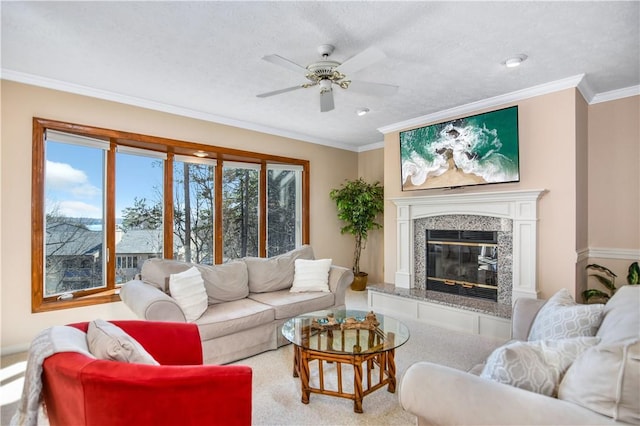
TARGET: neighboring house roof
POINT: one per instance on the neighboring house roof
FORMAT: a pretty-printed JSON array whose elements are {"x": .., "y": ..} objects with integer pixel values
[
  {"x": 70, "y": 240},
  {"x": 140, "y": 241}
]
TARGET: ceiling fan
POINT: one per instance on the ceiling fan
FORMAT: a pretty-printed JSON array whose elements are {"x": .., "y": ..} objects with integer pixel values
[{"x": 326, "y": 73}]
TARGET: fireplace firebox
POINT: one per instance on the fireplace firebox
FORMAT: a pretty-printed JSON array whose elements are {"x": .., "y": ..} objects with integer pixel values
[{"x": 463, "y": 262}]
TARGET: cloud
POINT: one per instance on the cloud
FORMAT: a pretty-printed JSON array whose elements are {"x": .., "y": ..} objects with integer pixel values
[
  {"x": 63, "y": 177},
  {"x": 75, "y": 209}
]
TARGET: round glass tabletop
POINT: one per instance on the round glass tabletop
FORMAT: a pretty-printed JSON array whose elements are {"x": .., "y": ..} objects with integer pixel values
[{"x": 345, "y": 332}]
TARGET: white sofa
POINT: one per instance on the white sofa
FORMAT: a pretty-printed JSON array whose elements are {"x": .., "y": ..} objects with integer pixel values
[
  {"x": 248, "y": 301},
  {"x": 601, "y": 386}
]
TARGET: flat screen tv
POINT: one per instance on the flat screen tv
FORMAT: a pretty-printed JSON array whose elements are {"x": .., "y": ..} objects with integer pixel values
[{"x": 475, "y": 150}]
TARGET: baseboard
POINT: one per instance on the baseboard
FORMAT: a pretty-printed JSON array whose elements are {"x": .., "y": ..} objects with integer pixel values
[{"x": 10, "y": 350}]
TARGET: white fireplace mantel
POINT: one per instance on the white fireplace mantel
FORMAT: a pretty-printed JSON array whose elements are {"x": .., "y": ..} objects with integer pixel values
[{"x": 519, "y": 206}]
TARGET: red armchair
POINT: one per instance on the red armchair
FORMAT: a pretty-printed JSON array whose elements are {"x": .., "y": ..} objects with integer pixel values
[{"x": 79, "y": 390}]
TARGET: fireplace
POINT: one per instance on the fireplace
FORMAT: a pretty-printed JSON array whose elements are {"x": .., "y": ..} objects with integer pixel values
[
  {"x": 463, "y": 236},
  {"x": 463, "y": 262},
  {"x": 511, "y": 217}
]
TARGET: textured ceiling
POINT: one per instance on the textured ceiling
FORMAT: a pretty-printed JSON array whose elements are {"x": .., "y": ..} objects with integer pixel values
[{"x": 204, "y": 58}]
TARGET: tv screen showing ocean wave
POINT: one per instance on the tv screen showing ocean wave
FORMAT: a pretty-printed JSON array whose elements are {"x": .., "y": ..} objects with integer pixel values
[{"x": 475, "y": 150}]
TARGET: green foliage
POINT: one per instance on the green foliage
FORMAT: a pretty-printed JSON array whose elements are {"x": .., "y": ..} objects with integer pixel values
[
  {"x": 633, "y": 278},
  {"x": 358, "y": 203},
  {"x": 141, "y": 215},
  {"x": 607, "y": 278}
]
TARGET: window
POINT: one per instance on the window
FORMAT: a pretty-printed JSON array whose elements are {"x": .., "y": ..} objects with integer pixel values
[
  {"x": 240, "y": 192},
  {"x": 74, "y": 211},
  {"x": 139, "y": 208},
  {"x": 105, "y": 201},
  {"x": 284, "y": 213},
  {"x": 194, "y": 224}
]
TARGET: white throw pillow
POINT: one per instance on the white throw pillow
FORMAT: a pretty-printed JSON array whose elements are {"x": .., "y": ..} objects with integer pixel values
[
  {"x": 187, "y": 288},
  {"x": 275, "y": 273},
  {"x": 562, "y": 318},
  {"x": 606, "y": 379},
  {"x": 110, "y": 342},
  {"x": 535, "y": 366},
  {"x": 311, "y": 275}
]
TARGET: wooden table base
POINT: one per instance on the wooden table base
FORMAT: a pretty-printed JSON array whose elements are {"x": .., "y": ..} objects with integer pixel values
[{"x": 386, "y": 373}]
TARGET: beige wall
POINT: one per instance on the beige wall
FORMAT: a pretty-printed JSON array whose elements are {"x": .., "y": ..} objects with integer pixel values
[
  {"x": 552, "y": 140},
  {"x": 614, "y": 183},
  {"x": 371, "y": 169},
  {"x": 582, "y": 193},
  {"x": 20, "y": 103}
]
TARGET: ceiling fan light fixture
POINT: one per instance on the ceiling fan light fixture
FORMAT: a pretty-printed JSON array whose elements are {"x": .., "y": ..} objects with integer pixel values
[
  {"x": 362, "y": 111},
  {"x": 325, "y": 84},
  {"x": 515, "y": 61}
]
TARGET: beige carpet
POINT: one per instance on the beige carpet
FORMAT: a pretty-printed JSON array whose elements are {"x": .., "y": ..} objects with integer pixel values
[{"x": 276, "y": 393}]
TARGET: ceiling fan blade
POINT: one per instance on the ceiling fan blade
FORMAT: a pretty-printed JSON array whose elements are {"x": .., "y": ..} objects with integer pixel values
[
  {"x": 277, "y": 92},
  {"x": 285, "y": 63},
  {"x": 326, "y": 101},
  {"x": 361, "y": 60},
  {"x": 374, "y": 89}
]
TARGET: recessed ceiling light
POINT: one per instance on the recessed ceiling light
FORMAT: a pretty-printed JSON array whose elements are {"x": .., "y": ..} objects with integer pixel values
[
  {"x": 515, "y": 61},
  {"x": 200, "y": 154},
  {"x": 362, "y": 111}
]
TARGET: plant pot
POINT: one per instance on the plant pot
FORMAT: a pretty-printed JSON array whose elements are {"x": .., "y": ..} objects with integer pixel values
[{"x": 359, "y": 281}]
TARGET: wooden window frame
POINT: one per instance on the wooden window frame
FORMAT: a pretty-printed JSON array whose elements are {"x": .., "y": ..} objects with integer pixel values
[{"x": 170, "y": 147}]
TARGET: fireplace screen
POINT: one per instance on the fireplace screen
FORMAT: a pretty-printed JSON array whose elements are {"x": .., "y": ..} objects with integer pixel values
[{"x": 463, "y": 262}]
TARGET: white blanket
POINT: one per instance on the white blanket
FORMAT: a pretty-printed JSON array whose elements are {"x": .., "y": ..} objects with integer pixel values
[{"x": 48, "y": 342}]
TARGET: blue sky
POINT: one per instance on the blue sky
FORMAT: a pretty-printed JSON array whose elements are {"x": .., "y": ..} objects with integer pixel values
[{"x": 74, "y": 180}]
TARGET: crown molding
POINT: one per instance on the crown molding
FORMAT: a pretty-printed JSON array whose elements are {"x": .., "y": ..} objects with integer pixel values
[
  {"x": 371, "y": 146},
  {"x": 495, "y": 101},
  {"x": 585, "y": 89},
  {"x": 615, "y": 94},
  {"x": 64, "y": 86}
]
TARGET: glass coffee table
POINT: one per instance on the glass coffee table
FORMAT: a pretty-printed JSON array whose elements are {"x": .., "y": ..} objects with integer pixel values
[{"x": 361, "y": 339}]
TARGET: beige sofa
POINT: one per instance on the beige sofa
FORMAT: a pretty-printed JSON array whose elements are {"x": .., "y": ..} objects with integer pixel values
[
  {"x": 248, "y": 301},
  {"x": 601, "y": 386}
]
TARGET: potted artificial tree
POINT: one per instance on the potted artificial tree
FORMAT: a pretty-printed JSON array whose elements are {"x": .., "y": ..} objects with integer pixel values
[{"x": 359, "y": 203}]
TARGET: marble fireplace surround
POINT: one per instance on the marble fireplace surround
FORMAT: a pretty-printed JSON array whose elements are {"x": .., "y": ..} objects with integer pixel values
[{"x": 515, "y": 211}]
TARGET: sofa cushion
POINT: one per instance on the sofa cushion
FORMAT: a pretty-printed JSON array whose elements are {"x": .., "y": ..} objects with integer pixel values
[
  {"x": 225, "y": 282},
  {"x": 561, "y": 318},
  {"x": 621, "y": 319},
  {"x": 274, "y": 273},
  {"x": 110, "y": 342},
  {"x": 187, "y": 289},
  {"x": 288, "y": 305},
  {"x": 536, "y": 366},
  {"x": 156, "y": 272},
  {"x": 606, "y": 379},
  {"x": 311, "y": 275},
  {"x": 231, "y": 317}
]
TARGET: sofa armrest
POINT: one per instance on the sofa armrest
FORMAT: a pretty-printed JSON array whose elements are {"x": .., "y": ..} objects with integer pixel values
[
  {"x": 524, "y": 312},
  {"x": 440, "y": 395},
  {"x": 150, "y": 303},
  {"x": 340, "y": 279}
]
